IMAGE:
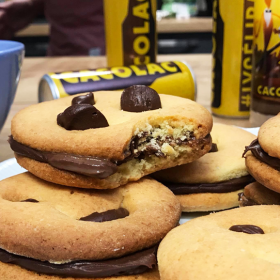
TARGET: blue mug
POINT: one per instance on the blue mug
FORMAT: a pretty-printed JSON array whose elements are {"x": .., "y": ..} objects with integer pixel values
[{"x": 11, "y": 57}]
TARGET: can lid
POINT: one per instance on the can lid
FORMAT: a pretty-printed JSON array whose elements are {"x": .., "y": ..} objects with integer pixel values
[{"x": 47, "y": 89}]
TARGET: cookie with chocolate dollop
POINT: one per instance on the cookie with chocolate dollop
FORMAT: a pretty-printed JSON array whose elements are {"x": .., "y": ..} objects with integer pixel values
[
  {"x": 110, "y": 138},
  {"x": 240, "y": 243},
  {"x": 213, "y": 181},
  {"x": 60, "y": 232}
]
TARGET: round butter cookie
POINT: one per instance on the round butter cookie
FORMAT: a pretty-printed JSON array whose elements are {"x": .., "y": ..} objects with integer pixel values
[
  {"x": 62, "y": 232},
  {"x": 235, "y": 244},
  {"x": 106, "y": 139},
  {"x": 263, "y": 155},
  {"x": 213, "y": 181}
]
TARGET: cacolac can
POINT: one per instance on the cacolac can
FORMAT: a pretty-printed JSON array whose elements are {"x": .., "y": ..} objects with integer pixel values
[
  {"x": 266, "y": 62},
  {"x": 171, "y": 77},
  {"x": 130, "y": 29},
  {"x": 233, "y": 23}
]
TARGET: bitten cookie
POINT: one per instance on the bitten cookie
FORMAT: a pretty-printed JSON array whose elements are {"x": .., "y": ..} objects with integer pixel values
[
  {"x": 107, "y": 139},
  {"x": 236, "y": 244},
  {"x": 263, "y": 155},
  {"x": 213, "y": 181},
  {"x": 48, "y": 229}
]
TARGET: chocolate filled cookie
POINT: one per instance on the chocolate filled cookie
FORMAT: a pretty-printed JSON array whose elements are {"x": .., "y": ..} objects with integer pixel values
[
  {"x": 263, "y": 155},
  {"x": 257, "y": 194},
  {"x": 235, "y": 244},
  {"x": 213, "y": 181},
  {"x": 52, "y": 232},
  {"x": 106, "y": 139}
]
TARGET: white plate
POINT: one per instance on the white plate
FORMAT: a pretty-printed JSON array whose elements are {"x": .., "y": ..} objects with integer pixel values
[{"x": 10, "y": 168}]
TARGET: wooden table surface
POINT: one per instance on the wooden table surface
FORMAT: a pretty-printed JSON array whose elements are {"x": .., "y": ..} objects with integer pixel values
[
  {"x": 194, "y": 24},
  {"x": 34, "y": 68}
]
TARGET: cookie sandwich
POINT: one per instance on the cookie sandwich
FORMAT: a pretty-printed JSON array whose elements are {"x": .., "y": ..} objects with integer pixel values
[
  {"x": 106, "y": 139},
  {"x": 213, "y": 181},
  {"x": 263, "y": 163},
  {"x": 52, "y": 232},
  {"x": 241, "y": 243}
]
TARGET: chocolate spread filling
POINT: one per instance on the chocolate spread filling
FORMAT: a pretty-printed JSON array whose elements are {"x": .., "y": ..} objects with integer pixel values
[
  {"x": 136, "y": 263},
  {"x": 221, "y": 187},
  {"x": 90, "y": 166},
  {"x": 261, "y": 155},
  {"x": 101, "y": 167}
]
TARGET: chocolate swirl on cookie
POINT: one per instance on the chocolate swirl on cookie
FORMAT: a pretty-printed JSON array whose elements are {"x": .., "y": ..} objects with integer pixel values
[
  {"x": 250, "y": 229},
  {"x": 81, "y": 117},
  {"x": 140, "y": 98},
  {"x": 106, "y": 216},
  {"x": 84, "y": 99}
]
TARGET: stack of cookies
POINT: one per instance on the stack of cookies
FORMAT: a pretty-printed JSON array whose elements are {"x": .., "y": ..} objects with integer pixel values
[
  {"x": 84, "y": 210},
  {"x": 263, "y": 163}
]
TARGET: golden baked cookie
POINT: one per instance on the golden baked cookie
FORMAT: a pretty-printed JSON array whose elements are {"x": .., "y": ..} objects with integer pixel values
[
  {"x": 235, "y": 244},
  {"x": 57, "y": 230},
  {"x": 268, "y": 134},
  {"x": 52, "y": 141},
  {"x": 197, "y": 202},
  {"x": 263, "y": 155},
  {"x": 213, "y": 181},
  {"x": 257, "y": 194}
]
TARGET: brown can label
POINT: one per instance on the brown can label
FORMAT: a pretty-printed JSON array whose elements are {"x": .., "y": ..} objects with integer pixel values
[
  {"x": 130, "y": 27},
  {"x": 266, "y": 69},
  {"x": 139, "y": 34}
]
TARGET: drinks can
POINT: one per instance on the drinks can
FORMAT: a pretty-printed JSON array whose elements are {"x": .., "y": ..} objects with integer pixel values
[
  {"x": 266, "y": 62},
  {"x": 232, "y": 57},
  {"x": 169, "y": 77},
  {"x": 130, "y": 29}
]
